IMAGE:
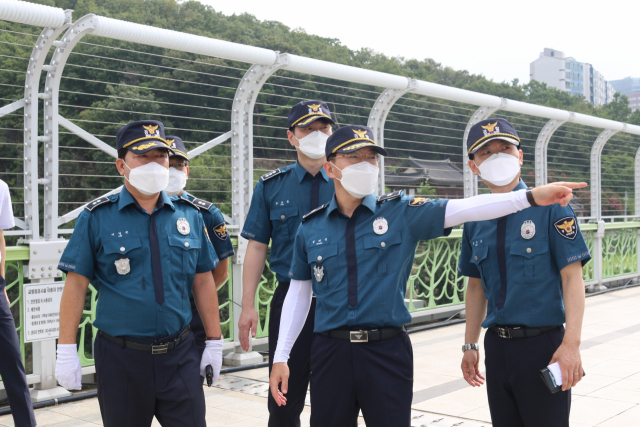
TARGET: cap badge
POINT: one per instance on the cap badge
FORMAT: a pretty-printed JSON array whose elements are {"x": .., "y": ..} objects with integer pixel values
[
  {"x": 122, "y": 266},
  {"x": 313, "y": 108},
  {"x": 490, "y": 128},
  {"x": 380, "y": 226},
  {"x": 528, "y": 229},
  {"x": 318, "y": 272},
  {"x": 151, "y": 130},
  {"x": 183, "y": 226},
  {"x": 360, "y": 133}
]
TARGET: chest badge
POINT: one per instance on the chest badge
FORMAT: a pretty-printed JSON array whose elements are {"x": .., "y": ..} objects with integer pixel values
[
  {"x": 528, "y": 229},
  {"x": 183, "y": 226},
  {"x": 318, "y": 272},
  {"x": 380, "y": 226},
  {"x": 122, "y": 266}
]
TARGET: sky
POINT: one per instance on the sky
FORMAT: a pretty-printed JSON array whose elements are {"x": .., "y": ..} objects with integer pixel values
[{"x": 498, "y": 39}]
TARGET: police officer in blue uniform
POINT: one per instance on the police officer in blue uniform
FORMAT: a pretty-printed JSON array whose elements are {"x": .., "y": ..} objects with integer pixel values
[
  {"x": 146, "y": 253},
  {"x": 356, "y": 253},
  {"x": 213, "y": 221},
  {"x": 525, "y": 281},
  {"x": 280, "y": 199}
]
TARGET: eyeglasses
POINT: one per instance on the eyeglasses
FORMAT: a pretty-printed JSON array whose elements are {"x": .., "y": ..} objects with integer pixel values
[
  {"x": 370, "y": 157},
  {"x": 179, "y": 166}
]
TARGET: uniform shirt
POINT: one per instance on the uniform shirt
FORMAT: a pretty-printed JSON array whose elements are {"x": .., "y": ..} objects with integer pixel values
[
  {"x": 360, "y": 265},
  {"x": 519, "y": 258},
  {"x": 6, "y": 210},
  {"x": 216, "y": 227},
  {"x": 279, "y": 201},
  {"x": 116, "y": 228}
]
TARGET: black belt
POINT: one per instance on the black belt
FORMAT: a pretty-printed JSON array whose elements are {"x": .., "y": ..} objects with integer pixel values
[
  {"x": 149, "y": 348},
  {"x": 520, "y": 331},
  {"x": 364, "y": 336}
]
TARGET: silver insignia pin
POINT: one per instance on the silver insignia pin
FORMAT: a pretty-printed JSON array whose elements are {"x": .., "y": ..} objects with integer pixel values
[
  {"x": 183, "y": 226},
  {"x": 122, "y": 266},
  {"x": 528, "y": 229},
  {"x": 380, "y": 226},
  {"x": 318, "y": 272}
]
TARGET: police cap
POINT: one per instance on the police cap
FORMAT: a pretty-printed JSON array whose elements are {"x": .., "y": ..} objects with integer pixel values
[
  {"x": 351, "y": 138},
  {"x": 306, "y": 112},
  {"x": 177, "y": 146},
  {"x": 142, "y": 136},
  {"x": 490, "y": 130}
]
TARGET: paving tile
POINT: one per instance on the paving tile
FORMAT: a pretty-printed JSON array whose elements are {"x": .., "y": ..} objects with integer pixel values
[{"x": 592, "y": 410}]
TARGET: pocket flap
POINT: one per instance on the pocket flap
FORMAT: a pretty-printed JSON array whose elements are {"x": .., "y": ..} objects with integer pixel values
[
  {"x": 382, "y": 242},
  {"x": 479, "y": 253},
  {"x": 322, "y": 252},
  {"x": 184, "y": 242},
  {"x": 283, "y": 213},
  {"x": 121, "y": 246},
  {"x": 529, "y": 249}
]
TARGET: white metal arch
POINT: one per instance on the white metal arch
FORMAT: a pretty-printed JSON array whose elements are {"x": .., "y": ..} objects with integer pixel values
[
  {"x": 596, "y": 163},
  {"x": 542, "y": 142},
  {"x": 378, "y": 117}
]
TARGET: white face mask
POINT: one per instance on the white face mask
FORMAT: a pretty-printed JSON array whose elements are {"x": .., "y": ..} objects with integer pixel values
[
  {"x": 499, "y": 169},
  {"x": 313, "y": 144},
  {"x": 148, "y": 179},
  {"x": 177, "y": 181},
  {"x": 360, "y": 179}
]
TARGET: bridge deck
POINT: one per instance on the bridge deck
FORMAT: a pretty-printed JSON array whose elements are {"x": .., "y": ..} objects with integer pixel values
[{"x": 608, "y": 396}]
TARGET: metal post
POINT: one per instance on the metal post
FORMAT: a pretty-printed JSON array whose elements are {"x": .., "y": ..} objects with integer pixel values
[
  {"x": 470, "y": 180},
  {"x": 596, "y": 161},
  {"x": 378, "y": 116},
  {"x": 541, "y": 149},
  {"x": 242, "y": 184}
]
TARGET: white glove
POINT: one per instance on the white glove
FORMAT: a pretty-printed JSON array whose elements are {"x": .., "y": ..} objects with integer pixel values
[
  {"x": 212, "y": 356},
  {"x": 68, "y": 368}
]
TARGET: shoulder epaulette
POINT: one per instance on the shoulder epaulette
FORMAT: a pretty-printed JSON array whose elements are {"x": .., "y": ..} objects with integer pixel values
[
  {"x": 271, "y": 174},
  {"x": 182, "y": 199},
  {"x": 97, "y": 202},
  {"x": 202, "y": 204},
  {"x": 313, "y": 212},
  {"x": 389, "y": 196}
]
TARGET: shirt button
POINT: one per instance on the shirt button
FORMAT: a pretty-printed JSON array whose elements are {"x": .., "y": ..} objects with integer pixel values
[
  {"x": 122, "y": 249},
  {"x": 351, "y": 313},
  {"x": 186, "y": 244},
  {"x": 383, "y": 244},
  {"x": 282, "y": 216},
  {"x": 160, "y": 309},
  {"x": 528, "y": 250},
  {"x": 319, "y": 257},
  {"x": 499, "y": 317},
  {"x": 475, "y": 257}
]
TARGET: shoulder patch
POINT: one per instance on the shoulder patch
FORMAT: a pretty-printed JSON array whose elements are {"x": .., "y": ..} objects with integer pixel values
[
  {"x": 313, "y": 212},
  {"x": 220, "y": 231},
  {"x": 389, "y": 196},
  {"x": 97, "y": 202},
  {"x": 418, "y": 201},
  {"x": 182, "y": 199},
  {"x": 202, "y": 203},
  {"x": 271, "y": 174},
  {"x": 567, "y": 227}
]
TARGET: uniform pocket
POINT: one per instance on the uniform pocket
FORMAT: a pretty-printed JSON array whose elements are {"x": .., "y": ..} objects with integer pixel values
[
  {"x": 184, "y": 254},
  {"x": 130, "y": 249},
  {"x": 323, "y": 262},
  {"x": 386, "y": 250},
  {"x": 529, "y": 258},
  {"x": 285, "y": 221}
]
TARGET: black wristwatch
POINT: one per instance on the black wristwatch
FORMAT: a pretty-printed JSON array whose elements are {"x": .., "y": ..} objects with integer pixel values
[{"x": 530, "y": 198}]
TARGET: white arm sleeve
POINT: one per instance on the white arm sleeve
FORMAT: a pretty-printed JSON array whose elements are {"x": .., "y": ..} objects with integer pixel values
[
  {"x": 484, "y": 207},
  {"x": 294, "y": 313}
]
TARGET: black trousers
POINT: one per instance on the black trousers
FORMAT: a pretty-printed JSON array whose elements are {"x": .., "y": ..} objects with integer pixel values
[
  {"x": 517, "y": 395},
  {"x": 11, "y": 367},
  {"x": 133, "y": 385},
  {"x": 376, "y": 377},
  {"x": 197, "y": 329},
  {"x": 299, "y": 363}
]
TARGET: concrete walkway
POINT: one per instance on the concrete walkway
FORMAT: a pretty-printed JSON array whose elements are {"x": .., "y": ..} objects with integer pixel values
[{"x": 608, "y": 396}]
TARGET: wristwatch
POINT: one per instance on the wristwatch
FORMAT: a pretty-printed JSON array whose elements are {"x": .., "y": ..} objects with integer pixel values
[
  {"x": 530, "y": 198},
  {"x": 470, "y": 347}
]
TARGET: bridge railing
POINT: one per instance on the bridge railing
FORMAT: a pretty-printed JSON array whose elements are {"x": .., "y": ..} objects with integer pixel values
[{"x": 68, "y": 86}]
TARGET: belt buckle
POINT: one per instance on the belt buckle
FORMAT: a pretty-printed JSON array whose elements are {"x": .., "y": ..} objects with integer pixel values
[
  {"x": 504, "y": 333},
  {"x": 159, "y": 349},
  {"x": 359, "y": 336}
]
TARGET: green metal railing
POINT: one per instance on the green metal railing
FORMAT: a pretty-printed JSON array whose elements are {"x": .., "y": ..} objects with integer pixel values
[{"x": 434, "y": 281}]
